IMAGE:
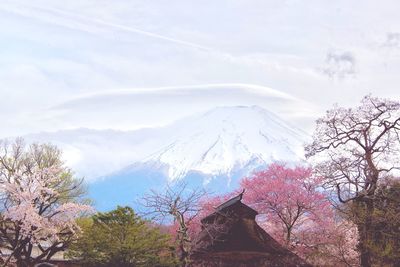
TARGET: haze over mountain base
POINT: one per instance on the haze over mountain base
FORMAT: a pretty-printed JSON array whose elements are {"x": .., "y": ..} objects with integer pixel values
[{"x": 211, "y": 150}]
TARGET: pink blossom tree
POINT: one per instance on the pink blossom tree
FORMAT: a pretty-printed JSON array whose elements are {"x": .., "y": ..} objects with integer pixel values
[
  {"x": 287, "y": 198},
  {"x": 296, "y": 212},
  {"x": 333, "y": 243},
  {"x": 40, "y": 201}
]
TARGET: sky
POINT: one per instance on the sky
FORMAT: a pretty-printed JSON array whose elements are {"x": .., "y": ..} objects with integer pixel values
[{"x": 125, "y": 65}]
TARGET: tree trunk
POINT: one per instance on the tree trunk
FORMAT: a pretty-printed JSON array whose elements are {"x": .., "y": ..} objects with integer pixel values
[
  {"x": 288, "y": 236},
  {"x": 183, "y": 239},
  {"x": 21, "y": 263},
  {"x": 365, "y": 255},
  {"x": 365, "y": 209}
]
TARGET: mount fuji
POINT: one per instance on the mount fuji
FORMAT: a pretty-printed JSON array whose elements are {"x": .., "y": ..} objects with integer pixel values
[
  {"x": 226, "y": 139},
  {"x": 212, "y": 150}
]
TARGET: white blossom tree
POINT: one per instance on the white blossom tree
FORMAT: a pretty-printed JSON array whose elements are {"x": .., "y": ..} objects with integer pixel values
[
  {"x": 358, "y": 148},
  {"x": 40, "y": 201}
]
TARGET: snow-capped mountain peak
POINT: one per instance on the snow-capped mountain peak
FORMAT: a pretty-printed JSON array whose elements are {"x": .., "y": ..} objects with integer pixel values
[
  {"x": 228, "y": 138},
  {"x": 217, "y": 142},
  {"x": 213, "y": 149}
]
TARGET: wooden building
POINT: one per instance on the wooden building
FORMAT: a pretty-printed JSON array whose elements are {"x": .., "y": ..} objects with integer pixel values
[{"x": 230, "y": 237}]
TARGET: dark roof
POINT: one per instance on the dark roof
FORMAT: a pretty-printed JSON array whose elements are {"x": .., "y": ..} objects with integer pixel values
[
  {"x": 230, "y": 237},
  {"x": 230, "y": 202},
  {"x": 234, "y": 202}
]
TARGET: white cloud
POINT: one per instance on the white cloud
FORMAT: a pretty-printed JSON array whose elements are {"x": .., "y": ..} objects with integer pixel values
[
  {"x": 133, "y": 108},
  {"x": 86, "y": 24},
  {"x": 340, "y": 65},
  {"x": 54, "y": 52},
  {"x": 392, "y": 40}
]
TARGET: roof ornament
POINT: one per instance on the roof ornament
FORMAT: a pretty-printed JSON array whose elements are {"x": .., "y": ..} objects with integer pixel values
[{"x": 241, "y": 194}]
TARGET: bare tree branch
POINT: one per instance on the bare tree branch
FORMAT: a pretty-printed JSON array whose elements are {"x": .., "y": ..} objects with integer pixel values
[{"x": 177, "y": 203}]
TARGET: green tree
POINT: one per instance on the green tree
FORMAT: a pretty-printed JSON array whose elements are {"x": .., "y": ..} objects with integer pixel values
[
  {"x": 385, "y": 239},
  {"x": 121, "y": 238}
]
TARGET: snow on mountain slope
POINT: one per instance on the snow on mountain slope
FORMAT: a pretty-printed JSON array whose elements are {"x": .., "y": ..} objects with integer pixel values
[
  {"x": 214, "y": 143},
  {"x": 228, "y": 138}
]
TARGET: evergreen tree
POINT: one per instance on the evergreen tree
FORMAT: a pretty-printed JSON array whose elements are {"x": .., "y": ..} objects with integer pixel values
[
  {"x": 121, "y": 238},
  {"x": 385, "y": 240}
]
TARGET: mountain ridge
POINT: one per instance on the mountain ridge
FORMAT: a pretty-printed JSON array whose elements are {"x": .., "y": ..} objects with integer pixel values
[
  {"x": 213, "y": 149},
  {"x": 226, "y": 135},
  {"x": 221, "y": 138}
]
